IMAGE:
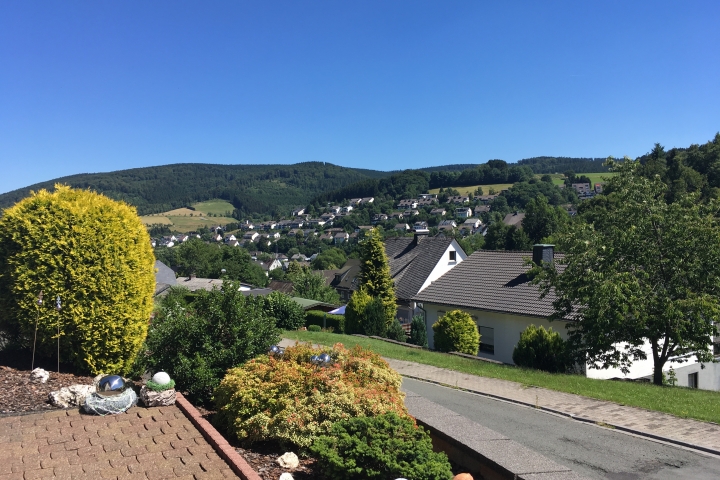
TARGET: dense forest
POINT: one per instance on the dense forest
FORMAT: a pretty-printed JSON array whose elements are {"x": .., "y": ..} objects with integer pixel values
[
  {"x": 250, "y": 188},
  {"x": 276, "y": 189}
]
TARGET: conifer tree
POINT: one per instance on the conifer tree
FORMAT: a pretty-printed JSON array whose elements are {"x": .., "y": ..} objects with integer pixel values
[
  {"x": 92, "y": 258},
  {"x": 375, "y": 272}
]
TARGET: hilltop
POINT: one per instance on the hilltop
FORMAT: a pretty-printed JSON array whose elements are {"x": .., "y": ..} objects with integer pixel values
[{"x": 261, "y": 189}]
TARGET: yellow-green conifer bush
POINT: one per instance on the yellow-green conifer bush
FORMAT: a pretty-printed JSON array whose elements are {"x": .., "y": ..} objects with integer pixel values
[{"x": 92, "y": 252}]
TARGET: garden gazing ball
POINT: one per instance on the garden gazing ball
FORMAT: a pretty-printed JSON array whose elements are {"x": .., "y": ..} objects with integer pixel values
[{"x": 161, "y": 378}]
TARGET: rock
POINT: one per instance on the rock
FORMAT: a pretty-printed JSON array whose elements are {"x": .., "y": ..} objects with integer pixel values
[
  {"x": 157, "y": 399},
  {"x": 463, "y": 476},
  {"x": 286, "y": 476},
  {"x": 161, "y": 378},
  {"x": 39, "y": 375},
  {"x": 288, "y": 460},
  {"x": 72, "y": 396}
]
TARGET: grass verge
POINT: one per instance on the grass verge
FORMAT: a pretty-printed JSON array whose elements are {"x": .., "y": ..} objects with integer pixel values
[{"x": 682, "y": 402}]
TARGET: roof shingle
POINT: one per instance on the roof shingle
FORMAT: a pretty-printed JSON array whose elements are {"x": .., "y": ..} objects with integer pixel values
[{"x": 493, "y": 281}]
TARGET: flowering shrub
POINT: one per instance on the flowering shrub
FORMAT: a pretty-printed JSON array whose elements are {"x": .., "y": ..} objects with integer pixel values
[
  {"x": 387, "y": 446},
  {"x": 290, "y": 400}
]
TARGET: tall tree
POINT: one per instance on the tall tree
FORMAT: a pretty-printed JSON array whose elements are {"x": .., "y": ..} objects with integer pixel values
[
  {"x": 645, "y": 271},
  {"x": 307, "y": 284},
  {"x": 541, "y": 219},
  {"x": 375, "y": 272}
]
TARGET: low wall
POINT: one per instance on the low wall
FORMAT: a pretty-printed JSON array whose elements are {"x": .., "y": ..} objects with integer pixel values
[{"x": 484, "y": 453}]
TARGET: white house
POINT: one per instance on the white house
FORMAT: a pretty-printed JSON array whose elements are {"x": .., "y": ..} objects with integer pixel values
[
  {"x": 415, "y": 263},
  {"x": 463, "y": 212},
  {"x": 492, "y": 286}
]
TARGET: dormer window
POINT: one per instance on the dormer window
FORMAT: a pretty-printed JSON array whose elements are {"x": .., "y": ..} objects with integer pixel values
[{"x": 453, "y": 254}]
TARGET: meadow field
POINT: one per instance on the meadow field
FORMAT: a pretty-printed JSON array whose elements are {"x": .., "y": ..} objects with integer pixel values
[
  {"x": 557, "y": 178},
  {"x": 186, "y": 219}
]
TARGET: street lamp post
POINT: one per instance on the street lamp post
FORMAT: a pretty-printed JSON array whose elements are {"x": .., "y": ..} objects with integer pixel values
[
  {"x": 58, "y": 307},
  {"x": 37, "y": 319}
]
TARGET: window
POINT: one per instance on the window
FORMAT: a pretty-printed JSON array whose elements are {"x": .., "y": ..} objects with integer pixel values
[
  {"x": 487, "y": 340},
  {"x": 693, "y": 380},
  {"x": 453, "y": 254}
]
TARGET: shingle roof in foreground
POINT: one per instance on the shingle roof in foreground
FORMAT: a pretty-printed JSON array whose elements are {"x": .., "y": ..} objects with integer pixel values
[{"x": 493, "y": 281}]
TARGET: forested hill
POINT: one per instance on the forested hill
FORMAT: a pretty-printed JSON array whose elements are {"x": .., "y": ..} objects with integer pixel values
[
  {"x": 250, "y": 188},
  {"x": 563, "y": 164}
]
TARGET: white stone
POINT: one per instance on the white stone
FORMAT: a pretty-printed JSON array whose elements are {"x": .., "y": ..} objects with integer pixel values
[
  {"x": 161, "y": 378},
  {"x": 157, "y": 399},
  {"x": 289, "y": 460},
  {"x": 71, "y": 396},
  {"x": 286, "y": 476},
  {"x": 40, "y": 375}
]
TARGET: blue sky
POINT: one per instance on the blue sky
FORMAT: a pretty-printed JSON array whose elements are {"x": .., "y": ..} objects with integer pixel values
[{"x": 98, "y": 85}]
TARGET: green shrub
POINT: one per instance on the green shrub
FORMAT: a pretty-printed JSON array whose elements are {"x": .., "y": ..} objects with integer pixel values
[
  {"x": 541, "y": 349},
  {"x": 92, "y": 252},
  {"x": 288, "y": 314},
  {"x": 375, "y": 318},
  {"x": 156, "y": 387},
  {"x": 314, "y": 328},
  {"x": 196, "y": 345},
  {"x": 355, "y": 311},
  {"x": 288, "y": 399},
  {"x": 317, "y": 317},
  {"x": 382, "y": 447},
  {"x": 418, "y": 332},
  {"x": 456, "y": 332},
  {"x": 396, "y": 331}
]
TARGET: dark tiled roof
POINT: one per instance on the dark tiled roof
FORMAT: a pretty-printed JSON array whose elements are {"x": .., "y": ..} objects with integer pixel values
[
  {"x": 279, "y": 286},
  {"x": 411, "y": 263},
  {"x": 347, "y": 277},
  {"x": 514, "y": 219},
  {"x": 164, "y": 274},
  {"x": 493, "y": 281}
]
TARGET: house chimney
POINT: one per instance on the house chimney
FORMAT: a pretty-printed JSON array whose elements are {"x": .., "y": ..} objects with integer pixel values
[
  {"x": 543, "y": 253},
  {"x": 192, "y": 276},
  {"x": 419, "y": 236}
]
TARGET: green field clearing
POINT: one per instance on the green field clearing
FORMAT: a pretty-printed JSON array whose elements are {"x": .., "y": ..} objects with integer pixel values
[
  {"x": 682, "y": 402},
  {"x": 486, "y": 188},
  {"x": 598, "y": 177},
  {"x": 185, "y": 223},
  {"x": 216, "y": 207}
]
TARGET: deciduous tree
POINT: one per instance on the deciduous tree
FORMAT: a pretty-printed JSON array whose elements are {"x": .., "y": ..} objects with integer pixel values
[{"x": 644, "y": 271}]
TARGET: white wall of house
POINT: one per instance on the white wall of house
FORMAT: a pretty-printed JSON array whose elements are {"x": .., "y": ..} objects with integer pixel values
[
  {"x": 506, "y": 330},
  {"x": 445, "y": 264}
]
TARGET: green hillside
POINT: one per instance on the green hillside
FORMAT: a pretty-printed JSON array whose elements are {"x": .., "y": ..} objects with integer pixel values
[{"x": 249, "y": 188}]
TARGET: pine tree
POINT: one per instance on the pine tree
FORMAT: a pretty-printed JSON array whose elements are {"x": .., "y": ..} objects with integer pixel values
[{"x": 375, "y": 272}]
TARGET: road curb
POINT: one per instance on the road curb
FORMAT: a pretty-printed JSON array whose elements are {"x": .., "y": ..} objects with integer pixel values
[
  {"x": 218, "y": 442},
  {"x": 600, "y": 423}
]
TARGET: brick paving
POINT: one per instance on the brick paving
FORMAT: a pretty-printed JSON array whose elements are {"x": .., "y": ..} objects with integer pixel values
[
  {"x": 142, "y": 443},
  {"x": 688, "y": 431}
]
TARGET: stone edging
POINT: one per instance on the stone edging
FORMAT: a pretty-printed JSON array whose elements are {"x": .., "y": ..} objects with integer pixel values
[
  {"x": 218, "y": 442},
  {"x": 575, "y": 417}
]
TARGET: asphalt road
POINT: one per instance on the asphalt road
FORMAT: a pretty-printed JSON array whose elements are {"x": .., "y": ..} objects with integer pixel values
[{"x": 593, "y": 451}]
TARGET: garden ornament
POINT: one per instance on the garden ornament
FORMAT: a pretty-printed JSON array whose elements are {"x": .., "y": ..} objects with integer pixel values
[
  {"x": 161, "y": 378},
  {"x": 111, "y": 385}
]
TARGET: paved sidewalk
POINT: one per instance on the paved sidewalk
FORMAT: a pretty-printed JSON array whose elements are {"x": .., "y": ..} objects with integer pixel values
[
  {"x": 681, "y": 430},
  {"x": 143, "y": 443}
]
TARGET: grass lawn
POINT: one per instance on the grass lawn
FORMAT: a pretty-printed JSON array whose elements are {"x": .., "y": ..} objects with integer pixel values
[
  {"x": 486, "y": 188},
  {"x": 598, "y": 177},
  {"x": 184, "y": 223},
  {"x": 683, "y": 402},
  {"x": 216, "y": 207}
]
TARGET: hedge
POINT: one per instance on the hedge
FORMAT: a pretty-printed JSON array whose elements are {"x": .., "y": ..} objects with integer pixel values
[{"x": 315, "y": 317}]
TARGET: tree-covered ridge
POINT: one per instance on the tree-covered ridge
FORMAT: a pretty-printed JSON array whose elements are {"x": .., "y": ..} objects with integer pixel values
[
  {"x": 563, "y": 164},
  {"x": 251, "y": 188}
]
